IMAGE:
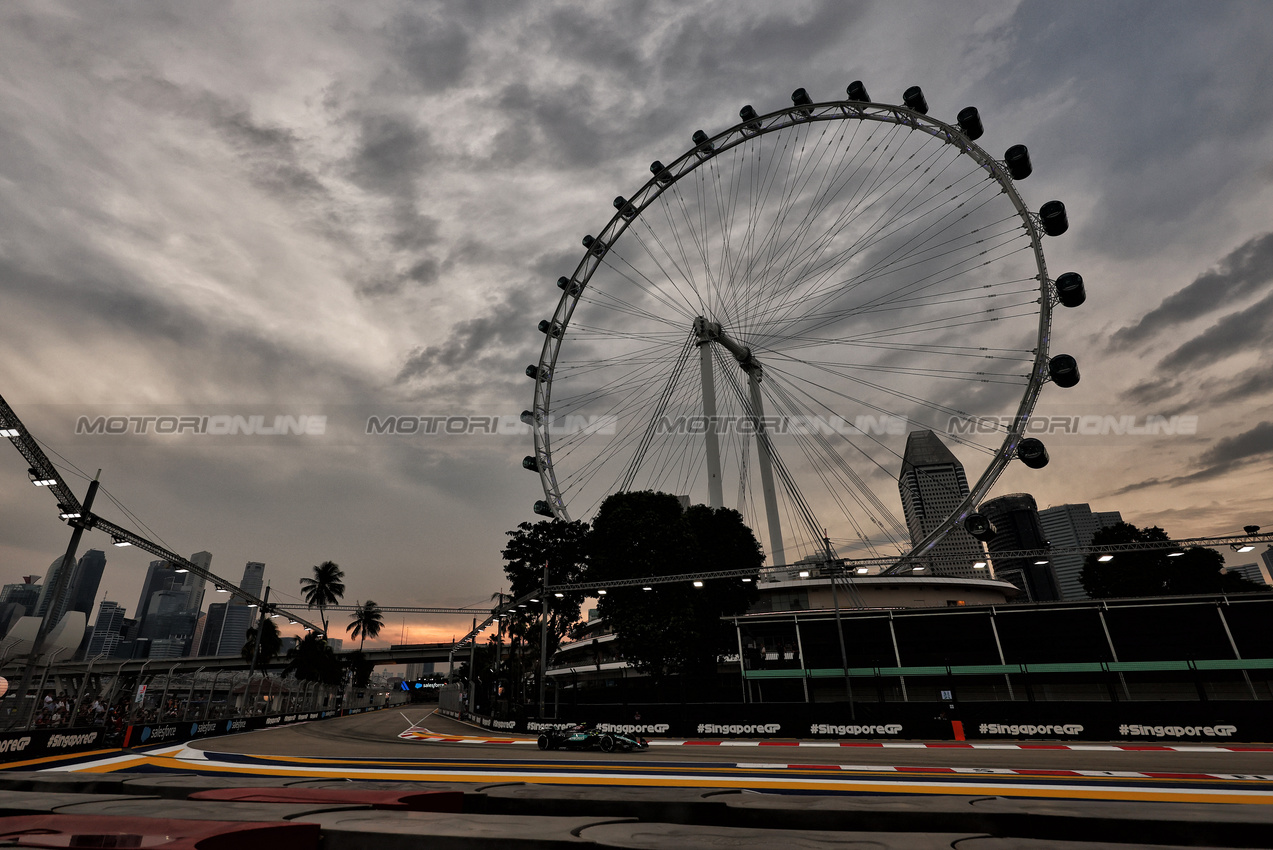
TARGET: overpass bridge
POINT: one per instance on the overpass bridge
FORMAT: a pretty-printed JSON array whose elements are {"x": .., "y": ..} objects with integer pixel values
[{"x": 401, "y": 654}]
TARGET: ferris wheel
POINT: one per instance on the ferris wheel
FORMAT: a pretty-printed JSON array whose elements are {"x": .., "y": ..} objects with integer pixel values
[{"x": 764, "y": 321}]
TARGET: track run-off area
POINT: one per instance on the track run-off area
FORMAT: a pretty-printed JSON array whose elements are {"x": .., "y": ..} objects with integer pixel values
[{"x": 417, "y": 745}]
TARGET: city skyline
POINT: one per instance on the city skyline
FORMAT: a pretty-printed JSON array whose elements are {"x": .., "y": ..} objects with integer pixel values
[{"x": 370, "y": 219}]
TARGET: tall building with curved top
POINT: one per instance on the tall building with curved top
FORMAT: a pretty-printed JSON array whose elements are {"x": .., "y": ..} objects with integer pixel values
[
  {"x": 1017, "y": 527},
  {"x": 932, "y": 485}
]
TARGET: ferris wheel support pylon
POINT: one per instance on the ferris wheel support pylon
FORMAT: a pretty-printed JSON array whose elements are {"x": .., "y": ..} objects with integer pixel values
[
  {"x": 707, "y": 333},
  {"x": 716, "y": 491}
]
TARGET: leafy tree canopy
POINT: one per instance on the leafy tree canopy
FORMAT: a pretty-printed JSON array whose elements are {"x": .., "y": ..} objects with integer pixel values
[
  {"x": 561, "y": 546},
  {"x": 313, "y": 660},
  {"x": 672, "y": 627},
  {"x": 1152, "y": 573}
]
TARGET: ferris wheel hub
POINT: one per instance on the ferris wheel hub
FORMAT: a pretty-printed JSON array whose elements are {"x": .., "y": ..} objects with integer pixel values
[{"x": 708, "y": 331}]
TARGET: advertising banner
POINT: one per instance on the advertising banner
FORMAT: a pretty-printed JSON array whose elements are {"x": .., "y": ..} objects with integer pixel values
[{"x": 39, "y": 743}]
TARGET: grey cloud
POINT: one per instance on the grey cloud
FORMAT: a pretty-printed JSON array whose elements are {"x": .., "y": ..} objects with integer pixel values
[
  {"x": 1255, "y": 442},
  {"x": 489, "y": 343},
  {"x": 1192, "y": 123},
  {"x": 1245, "y": 386},
  {"x": 391, "y": 153},
  {"x": 1247, "y": 269},
  {"x": 209, "y": 356},
  {"x": 1225, "y": 456},
  {"x": 434, "y": 52},
  {"x": 1250, "y": 329},
  {"x": 270, "y": 152}
]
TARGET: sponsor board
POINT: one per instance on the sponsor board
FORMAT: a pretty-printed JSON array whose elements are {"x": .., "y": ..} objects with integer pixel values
[
  {"x": 634, "y": 728},
  {"x": 15, "y": 744},
  {"x": 739, "y": 728},
  {"x": 505, "y": 725},
  {"x": 157, "y": 734},
  {"x": 38, "y": 743},
  {"x": 1029, "y": 730},
  {"x": 854, "y": 730},
  {"x": 1173, "y": 731}
]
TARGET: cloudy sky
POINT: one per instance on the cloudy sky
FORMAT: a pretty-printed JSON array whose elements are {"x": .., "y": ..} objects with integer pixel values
[{"x": 347, "y": 209}]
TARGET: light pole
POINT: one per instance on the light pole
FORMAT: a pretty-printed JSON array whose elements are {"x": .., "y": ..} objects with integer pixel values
[
  {"x": 839, "y": 629},
  {"x": 79, "y": 696},
  {"x": 138, "y": 700},
  {"x": 185, "y": 709},
  {"x": 43, "y": 678},
  {"x": 543, "y": 643},
  {"x": 473, "y": 669},
  {"x": 207, "y": 709}
]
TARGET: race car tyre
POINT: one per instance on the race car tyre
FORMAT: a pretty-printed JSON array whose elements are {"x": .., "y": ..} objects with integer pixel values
[
  {"x": 544, "y": 743},
  {"x": 607, "y": 743}
]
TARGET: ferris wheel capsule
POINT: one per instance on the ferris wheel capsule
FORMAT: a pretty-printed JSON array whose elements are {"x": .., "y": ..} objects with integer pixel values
[
  {"x": 970, "y": 122},
  {"x": 914, "y": 99},
  {"x": 1069, "y": 289},
  {"x": 1032, "y": 453},
  {"x": 1064, "y": 370},
  {"x": 1017, "y": 159},
  {"x": 1055, "y": 221}
]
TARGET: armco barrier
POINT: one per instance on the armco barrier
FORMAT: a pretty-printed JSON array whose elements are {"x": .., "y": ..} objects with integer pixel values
[
  {"x": 146, "y": 735},
  {"x": 42, "y": 743}
]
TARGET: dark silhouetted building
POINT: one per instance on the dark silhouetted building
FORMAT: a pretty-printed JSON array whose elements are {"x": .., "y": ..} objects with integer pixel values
[
  {"x": 238, "y": 614},
  {"x": 932, "y": 485},
  {"x": 1070, "y": 527},
  {"x": 86, "y": 580},
  {"x": 107, "y": 630},
  {"x": 1016, "y": 521}
]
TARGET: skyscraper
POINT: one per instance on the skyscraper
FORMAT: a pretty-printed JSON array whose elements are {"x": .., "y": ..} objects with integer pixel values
[
  {"x": 932, "y": 484},
  {"x": 47, "y": 590},
  {"x": 155, "y": 576},
  {"x": 1069, "y": 527},
  {"x": 25, "y": 593},
  {"x": 210, "y": 640},
  {"x": 107, "y": 630},
  {"x": 238, "y": 616},
  {"x": 1016, "y": 521},
  {"x": 195, "y": 584},
  {"x": 85, "y": 582}
]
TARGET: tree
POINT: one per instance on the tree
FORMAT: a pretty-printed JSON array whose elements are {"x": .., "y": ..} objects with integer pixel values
[
  {"x": 366, "y": 622},
  {"x": 326, "y": 587},
  {"x": 1152, "y": 572},
  {"x": 271, "y": 644},
  {"x": 561, "y": 546},
  {"x": 359, "y": 667},
  {"x": 313, "y": 660},
  {"x": 673, "y": 627}
]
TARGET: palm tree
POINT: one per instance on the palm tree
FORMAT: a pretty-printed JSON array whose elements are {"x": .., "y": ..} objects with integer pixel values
[
  {"x": 271, "y": 644},
  {"x": 366, "y": 622},
  {"x": 325, "y": 588}
]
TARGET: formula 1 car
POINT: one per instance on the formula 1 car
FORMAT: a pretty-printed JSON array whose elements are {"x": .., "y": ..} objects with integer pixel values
[{"x": 582, "y": 738}]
